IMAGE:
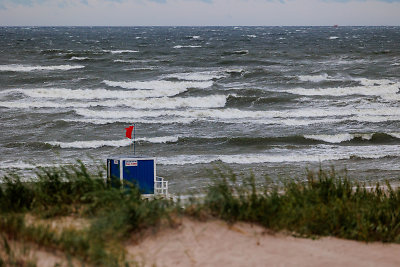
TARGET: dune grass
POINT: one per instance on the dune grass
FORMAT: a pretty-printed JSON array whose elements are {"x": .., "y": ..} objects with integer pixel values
[
  {"x": 323, "y": 203},
  {"x": 74, "y": 191}
]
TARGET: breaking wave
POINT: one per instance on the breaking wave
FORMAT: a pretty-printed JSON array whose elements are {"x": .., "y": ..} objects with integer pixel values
[
  {"x": 111, "y": 143},
  {"x": 186, "y": 46},
  {"x": 197, "y": 76},
  {"x": 120, "y": 51},
  {"x": 384, "y": 88},
  {"x": 316, "y": 154},
  {"x": 159, "y": 85},
  {"x": 212, "y": 101},
  {"x": 27, "y": 68}
]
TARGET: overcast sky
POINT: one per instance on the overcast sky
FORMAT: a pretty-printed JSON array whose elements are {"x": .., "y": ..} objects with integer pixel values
[{"x": 198, "y": 12}]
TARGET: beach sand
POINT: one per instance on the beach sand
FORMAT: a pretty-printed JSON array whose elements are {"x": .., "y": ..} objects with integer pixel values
[{"x": 215, "y": 243}]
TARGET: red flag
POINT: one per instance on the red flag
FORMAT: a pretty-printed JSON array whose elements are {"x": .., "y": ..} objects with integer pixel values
[{"x": 129, "y": 132}]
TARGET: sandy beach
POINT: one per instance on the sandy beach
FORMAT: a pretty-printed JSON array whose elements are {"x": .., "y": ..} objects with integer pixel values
[{"x": 215, "y": 243}]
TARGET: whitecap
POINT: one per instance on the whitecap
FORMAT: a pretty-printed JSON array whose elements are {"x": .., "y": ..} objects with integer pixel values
[
  {"x": 97, "y": 121},
  {"x": 27, "y": 68},
  {"x": 159, "y": 85},
  {"x": 197, "y": 76},
  {"x": 111, "y": 143},
  {"x": 120, "y": 51},
  {"x": 79, "y": 58},
  {"x": 338, "y": 138},
  {"x": 315, "y": 154},
  {"x": 212, "y": 101},
  {"x": 186, "y": 46},
  {"x": 383, "y": 88},
  {"x": 314, "y": 78},
  {"x": 64, "y": 93}
]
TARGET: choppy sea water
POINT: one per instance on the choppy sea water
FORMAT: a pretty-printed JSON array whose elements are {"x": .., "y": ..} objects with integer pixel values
[{"x": 272, "y": 100}]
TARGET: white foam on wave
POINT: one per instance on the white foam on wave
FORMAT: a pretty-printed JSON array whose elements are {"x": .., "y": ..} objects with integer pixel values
[
  {"x": 17, "y": 165},
  {"x": 212, "y": 101},
  {"x": 44, "y": 104},
  {"x": 97, "y": 121},
  {"x": 241, "y": 52},
  {"x": 234, "y": 71},
  {"x": 234, "y": 114},
  {"x": 383, "y": 88},
  {"x": 339, "y": 138},
  {"x": 197, "y": 76},
  {"x": 111, "y": 143},
  {"x": 23, "y": 165},
  {"x": 140, "y": 69},
  {"x": 159, "y": 84},
  {"x": 316, "y": 154},
  {"x": 65, "y": 93},
  {"x": 395, "y": 135},
  {"x": 120, "y": 51},
  {"x": 79, "y": 58},
  {"x": 314, "y": 78},
  {"x": 186, "y": 46},
  {"x": 333, "y": 37},
  {"x": 27, "y": 68}
]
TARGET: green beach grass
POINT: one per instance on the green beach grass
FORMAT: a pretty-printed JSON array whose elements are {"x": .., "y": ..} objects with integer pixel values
[{"x": 322, "y": 204}]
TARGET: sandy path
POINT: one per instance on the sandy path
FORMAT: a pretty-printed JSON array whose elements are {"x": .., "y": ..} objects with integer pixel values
[{"x": 214, "y": 243}]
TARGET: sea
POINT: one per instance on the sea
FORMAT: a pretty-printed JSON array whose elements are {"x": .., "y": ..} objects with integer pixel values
[{"x": 270, "y": 101}]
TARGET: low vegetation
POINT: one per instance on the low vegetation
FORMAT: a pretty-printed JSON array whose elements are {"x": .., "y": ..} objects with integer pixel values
[{"x": 324, "y": 203}]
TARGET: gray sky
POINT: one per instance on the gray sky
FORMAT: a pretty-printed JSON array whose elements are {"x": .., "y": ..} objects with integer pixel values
[{"x": 198, "y": 12}]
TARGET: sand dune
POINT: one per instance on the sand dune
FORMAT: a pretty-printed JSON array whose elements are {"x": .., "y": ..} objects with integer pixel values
[{"x": 214, "y": 243}]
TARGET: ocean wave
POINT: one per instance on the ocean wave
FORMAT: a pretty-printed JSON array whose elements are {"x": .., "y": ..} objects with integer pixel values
[
  {"x": 79, "y": 58},
  {"x": 23, "y": 165},
  {"x": 384, "y": 88},
  {"x": 65, "y": 93},
  {"x": 186, "y": 46},
  {"x": 111, "y": 143},
  {"x": 237, "y": 52},
  {"x": 159, "y": 84},
  {"x": 212, "y": 101},
  {"x": 97, "y": 121},
  {"x": 141, "y": 69},
  {"x": 316, "y": 154},
  {"x": 120, "y": 51},
  {"x": 338, "y": 138},
  {"x": 233, "y": 114},
  {"x": 314, "y": 78},
  {"x": 346, "y": 137},
  {"x": 234, "y": 71},
  {"x": 197, "y": 76},
  {"x": 296, "y": 139},
  {"x": 44, "y": 104},
  {"x": 27, "y": 68}
]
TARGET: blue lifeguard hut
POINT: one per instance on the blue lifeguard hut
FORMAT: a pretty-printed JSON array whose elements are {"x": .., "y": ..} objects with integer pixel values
[{"x": 141, "y": 171}]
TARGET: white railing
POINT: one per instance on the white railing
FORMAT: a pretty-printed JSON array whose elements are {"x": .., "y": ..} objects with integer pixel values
[{"x": 160, "y": 186}]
